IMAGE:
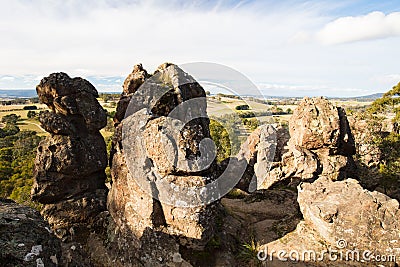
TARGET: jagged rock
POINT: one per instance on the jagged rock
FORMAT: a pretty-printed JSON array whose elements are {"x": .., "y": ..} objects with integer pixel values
[
  {"x": 342, "y": 222},
  {"x": 257, "y": 152},
  {"x": 370, "y": 222},
  {"x": 61, "y": 163},
  {"x": 282, "y": 138},
  {"x": 316, "y": 123},
  {"x": 25, "y": 238},
  {"x": 135, "y": 79},
  {"x": 171, "y": 157},
  {"x": 69, "y": 167},
  {"x": 264, "y": 215},
  {"x": 164, "y": 146},
  {"x": 320, "y": 143},
  {"x": 130, "y": 86}
]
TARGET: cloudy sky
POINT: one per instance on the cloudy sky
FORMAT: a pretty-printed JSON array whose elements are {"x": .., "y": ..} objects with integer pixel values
[{"x": 287, "y": 47}]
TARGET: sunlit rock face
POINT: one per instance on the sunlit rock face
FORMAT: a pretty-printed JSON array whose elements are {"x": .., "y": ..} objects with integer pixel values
[
  {"x": 161, "y": 124},
  {"x": 320, "y": 143}
]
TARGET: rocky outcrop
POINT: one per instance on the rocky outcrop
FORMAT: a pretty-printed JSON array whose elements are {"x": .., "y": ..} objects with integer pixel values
[
  {"x": 321, "y": 143},
  {"x": 69, "y": 167},
  {"x": 371, "y": 222},
  {"x": 25, "y": 238},
  {"x": 159, "y": 143},
  {"x": 161, "y": 209},
  {"x": 344, "y": 225},
  {"x": 130, "y": 86}
]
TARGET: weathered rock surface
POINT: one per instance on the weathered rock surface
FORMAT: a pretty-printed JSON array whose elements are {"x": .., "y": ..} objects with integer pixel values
[
  {"x": 320, "y": 143},
  {"x": 316, "y": 123},
  {"x": 257, "y": 152},
  {"x": 69, "y": 167},
  {"x": 159, "y": 154},
  {"x": 25, "y": 238},
  {"x": 130, "y": 86},
  {"x": 341, "y": 218},
  {"x": 371, "y": 222}
]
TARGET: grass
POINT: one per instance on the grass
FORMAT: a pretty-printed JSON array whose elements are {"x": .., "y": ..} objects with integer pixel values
[{"x": 31, "y": 125}]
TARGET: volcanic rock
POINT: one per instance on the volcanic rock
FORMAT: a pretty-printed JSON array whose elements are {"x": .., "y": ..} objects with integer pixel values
[
  {"x": 69, "y": 167},
  {"x": 158, "y": 143}
]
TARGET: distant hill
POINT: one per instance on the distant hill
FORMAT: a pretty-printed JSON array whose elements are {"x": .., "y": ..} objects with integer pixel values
[
  {"x": 373, "y": 96},
  {"x": 26, "y": 93},
  {"x": 17, "y": 93}
]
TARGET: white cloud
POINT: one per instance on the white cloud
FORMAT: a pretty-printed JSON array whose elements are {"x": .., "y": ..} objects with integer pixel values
[
  {"x": 268, "y": 41},
  {"x": 299, "y": 90},
  {"x": 388, "y": 79},
  {"x": 7, "y": 78},
  {"x": 375, "y": 25}
]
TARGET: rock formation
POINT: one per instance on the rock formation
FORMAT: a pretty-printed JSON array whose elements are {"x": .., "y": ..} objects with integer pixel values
[
  {"x": 130, "y": 86},
  {"x": 69, "y": 167},
  {"x": 320, "y": 143},
  {"x": 371, "y": 222},
  {"x": 161, "y": 156},
  {"x": 148, "y": 153}
]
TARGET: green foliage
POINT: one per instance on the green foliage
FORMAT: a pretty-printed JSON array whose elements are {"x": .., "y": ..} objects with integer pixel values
[
  {"x": 388, "y": 143},
  {"x": 242, "y": 107},
  {"x": 225, "y": 133},
  {"x": 17, "y": 154},
  {"x": 110, "y": 122},
  {"x": 33, "y": 107},
  {"x": 10, "y": 119},
  {"x": 388, "y": 103},
  {"x": 249, "y": 253},
  {"x": 251, "y": 123},
  {"x": 31, "y": 114},
  {"x": 108, "y": 141}
]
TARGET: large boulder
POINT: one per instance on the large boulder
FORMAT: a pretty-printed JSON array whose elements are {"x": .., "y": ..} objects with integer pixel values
[
  {"x": 69, "y": 173},
  {"x": 316, "y": 123},
  {"x": 158, "y": 143},
  {"x": 371, "y": 222},
  {"x": 320, "y": 143}
]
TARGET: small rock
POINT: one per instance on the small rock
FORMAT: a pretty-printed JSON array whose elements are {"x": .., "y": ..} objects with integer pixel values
[
  {"x": 39, "y": 263},
  {"x": 177, "y": 257}
]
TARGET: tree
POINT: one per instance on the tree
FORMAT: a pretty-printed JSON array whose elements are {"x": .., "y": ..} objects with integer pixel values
[
  {"x": 31, "y": 114},
  {"x": 11, "y": 118},
  {"x": 242, "y": 107},
  {"x": 389, "y": 102},
  {"x": 17, "y": 154},
  {"x": 388, "y": 143}
]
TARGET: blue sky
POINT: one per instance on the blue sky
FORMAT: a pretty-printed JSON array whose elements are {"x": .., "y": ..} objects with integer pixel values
[{"x": 288, "y": 47}]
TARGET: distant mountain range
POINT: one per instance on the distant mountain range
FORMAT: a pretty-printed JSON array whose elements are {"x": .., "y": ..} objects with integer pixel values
[
  {"x": 17, "y": 93},
  {"x": 25, "y": 93},
  {"x": 373, "y": 96}
]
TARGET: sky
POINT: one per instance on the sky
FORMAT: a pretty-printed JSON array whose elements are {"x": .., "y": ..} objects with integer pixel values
[{"x": 287, "y": 48}]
